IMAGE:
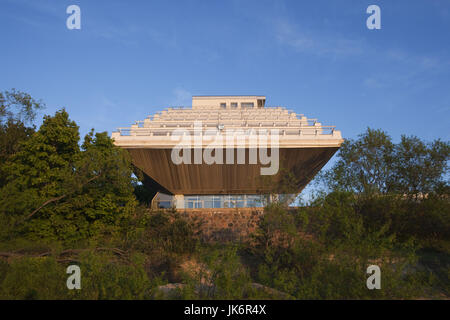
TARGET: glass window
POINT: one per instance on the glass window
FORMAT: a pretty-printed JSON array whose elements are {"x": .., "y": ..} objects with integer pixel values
[
  {"x": 239, "y": 201},
  {"x": 192, "y": 202},
  {"x": 234, "y": 105},
  {"x": 163, "y": 200},
  {"x": 236, "y": 201},
  {"x": 247, "y": 105},
  {"x": 251, "y": 201},
  {"x": 254, "y": 201},
  {"x": 226, "y": 201},
  {"x": 218, "y": 200},
  {"x": 164, "y": 204},
  {"x": 221, "y": 201},
  {"x": 207, "y": 201},
  {"x": 223, "y": 105}
]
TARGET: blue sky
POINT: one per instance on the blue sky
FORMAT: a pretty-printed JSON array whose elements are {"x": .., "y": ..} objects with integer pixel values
[{"x": 133, "y": 58}]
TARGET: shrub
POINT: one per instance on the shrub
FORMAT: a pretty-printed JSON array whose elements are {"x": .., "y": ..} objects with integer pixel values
[
  {"x": 34, "y": 278},
  {"x": 102, "y": 277}
]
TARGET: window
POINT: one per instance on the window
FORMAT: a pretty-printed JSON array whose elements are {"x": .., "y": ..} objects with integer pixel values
[
  {"x": 208, "y": 201},
  {"x": 234, "y": 105},
  {"x": 247, "y": 105},
  {"x": 220, "y": 201},
  {"x": 163, "y": 200},
  {"x": 239, "y": 201},
  {"x": 164, "y": 204},
  {"x": 223, "y": 105},
  {"x": 254, "y": 201},
  {"x": 193, "y": 202}
]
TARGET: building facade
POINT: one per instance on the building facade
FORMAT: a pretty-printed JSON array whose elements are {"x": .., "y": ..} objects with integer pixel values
[{"x": 226, "y": 152}]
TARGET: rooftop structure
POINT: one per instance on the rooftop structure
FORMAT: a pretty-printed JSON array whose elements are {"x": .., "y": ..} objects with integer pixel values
[
  {"x": 230, "y": 102},
  {"x": 212, "y": 149}
]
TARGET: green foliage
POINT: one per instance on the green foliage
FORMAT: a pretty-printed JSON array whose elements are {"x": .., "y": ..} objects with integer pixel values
[
  {"x": 334, "y": 242},
  {"x": 143, "y": 195},
  {"x": 42, "y": 170},
  {"x": 17, "y": 112},
  {"x": 34, "y": 278},
  {"x": 12, "y": 134},
  {"x": 164, "y": 237},
  {"x": 374, "y": 164},
  {"x": 364, "y": 164},
  {"x": 327, "y": 257},
  {"x": 18, "y": 106},
  {"x": 275, "y": 228},
  {"x": 419, "y": 167},
  {"x": 230, "y": 277},
  {"x": 221, "y": 276},
  {"x": 165, "y": 231},
  {"x": 55, "y": 190},
  {"x": 425, "y": 220},
  {"x": 102, "y": 277}
]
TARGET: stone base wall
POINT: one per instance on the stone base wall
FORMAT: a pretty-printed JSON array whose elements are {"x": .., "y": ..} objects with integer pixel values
[{"x": 225, "y": 224}]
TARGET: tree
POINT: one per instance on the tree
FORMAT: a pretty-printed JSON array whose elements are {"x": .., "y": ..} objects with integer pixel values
[
  {"x": 18, "y": 106},
  {"x": 419, "y": 167},
  {"x": 373, "y": 164},
  {"x": 17, "y": 113},
  {"x": 42, "y": 170},
  {"x": 55, "y": 190},
  {"x": 364, "y": 164},
  {"x": 105, "y": 176}
]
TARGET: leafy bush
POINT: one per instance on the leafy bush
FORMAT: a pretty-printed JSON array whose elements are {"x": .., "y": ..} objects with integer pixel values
[
  {"x": 102, "y": 277},
  {"x": 34, "y": 278},
  {"x": 56, "y": 191},
  {"x": 221, "y": 275},
  {"x": 327, "y": 257},
  {"x": 166, "y": 231}
]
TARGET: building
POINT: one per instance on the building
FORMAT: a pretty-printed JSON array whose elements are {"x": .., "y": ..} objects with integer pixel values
[{"x": 226, "y": 151}]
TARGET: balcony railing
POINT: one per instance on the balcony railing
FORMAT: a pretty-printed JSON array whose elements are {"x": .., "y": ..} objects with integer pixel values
[
  {"x": 177, "y": 131},
  {"x": 171, "y": 121}
]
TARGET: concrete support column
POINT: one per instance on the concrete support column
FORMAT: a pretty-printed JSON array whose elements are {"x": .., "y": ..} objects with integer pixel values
[{"x": 179, "y": 201}]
